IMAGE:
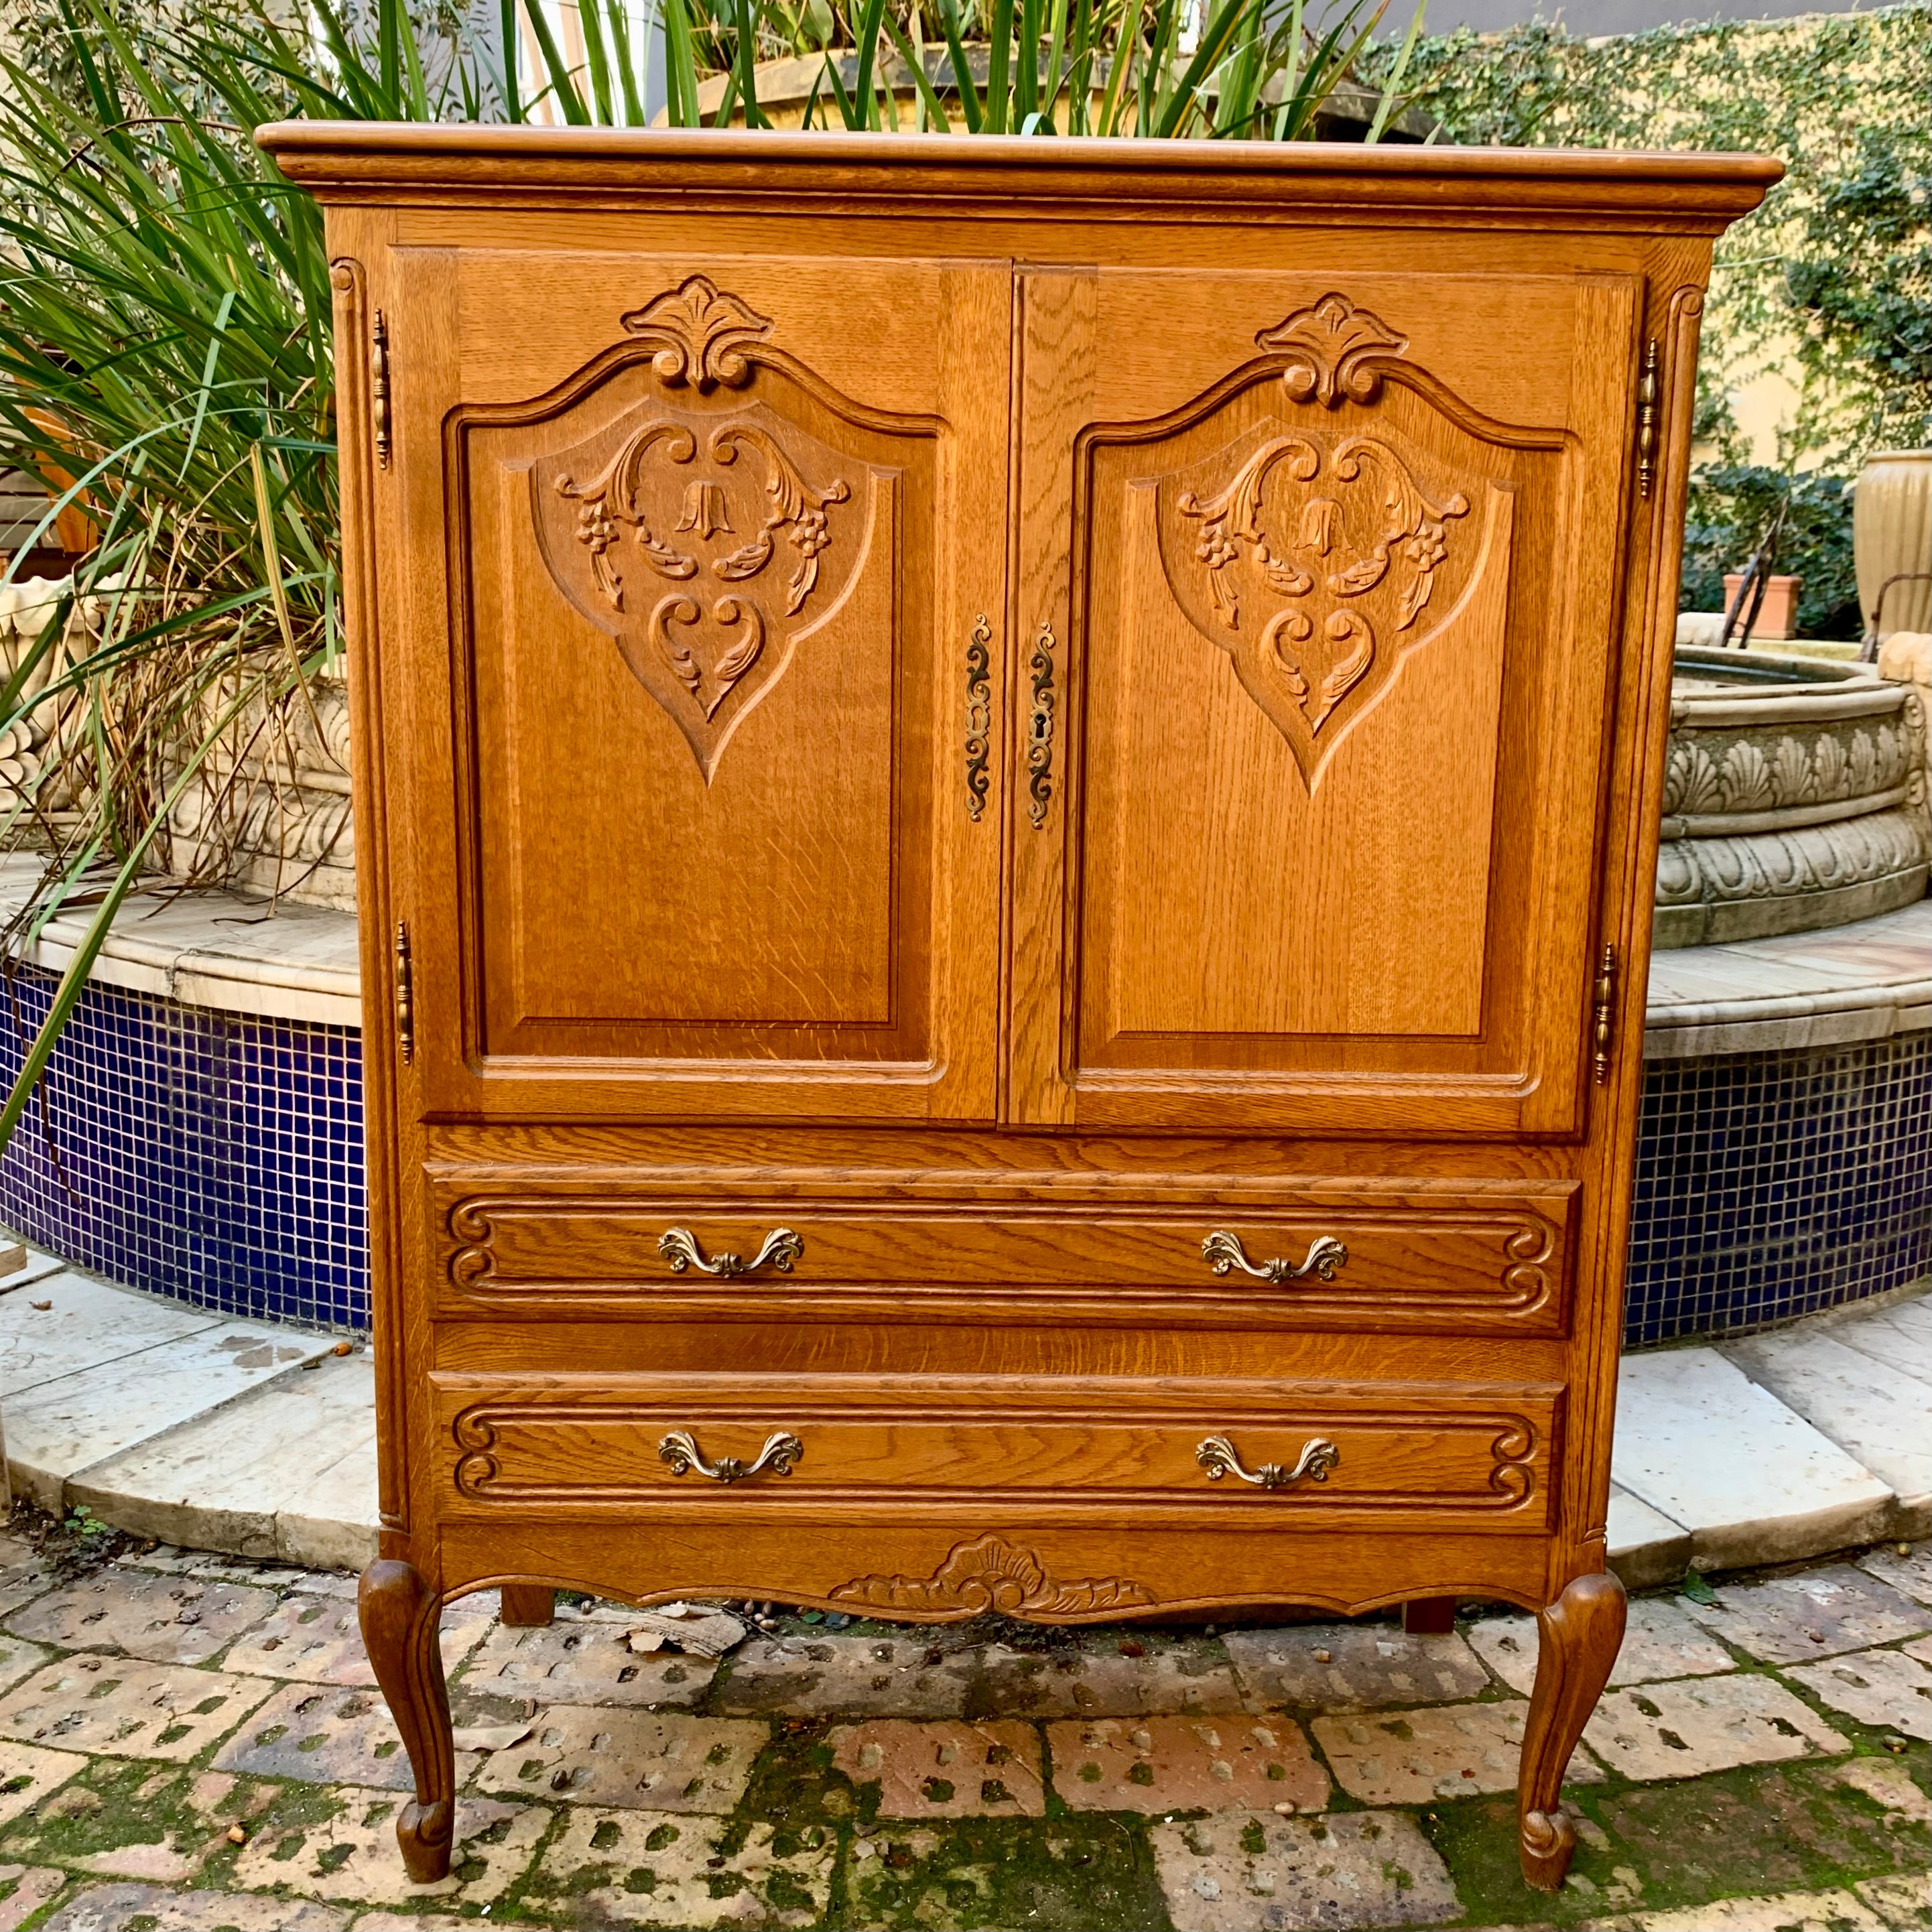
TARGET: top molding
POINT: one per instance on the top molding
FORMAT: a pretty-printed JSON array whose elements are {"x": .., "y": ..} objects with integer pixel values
[{"x": 395, "y": 163}]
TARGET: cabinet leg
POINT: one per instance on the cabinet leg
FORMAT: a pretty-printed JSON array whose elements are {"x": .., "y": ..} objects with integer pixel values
[
  {"x": 527, "y": 1606},
  {"x": 1578, "y": 1636},
  {"x": 400, "y": 1616},
  {"x": 1429, "y": 1616}
]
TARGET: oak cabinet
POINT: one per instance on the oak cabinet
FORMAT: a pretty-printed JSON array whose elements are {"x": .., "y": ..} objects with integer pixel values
[{"x": 1007, "y": 792}]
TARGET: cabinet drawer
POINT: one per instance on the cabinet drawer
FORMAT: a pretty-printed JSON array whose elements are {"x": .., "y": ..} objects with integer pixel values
[
  {"x": 1420, "y": 1452},
  {"x": 1462, "y": 1263}
]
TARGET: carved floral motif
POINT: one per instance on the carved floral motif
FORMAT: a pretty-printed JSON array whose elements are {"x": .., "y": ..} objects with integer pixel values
[
  {"x": 633, "y": 534},
  {"x": 703, "y": 334},
  {"x": 1332, "y": 349},
  {"x": 1318, "y": 557},
  {"x": 993, "y": 1574}
]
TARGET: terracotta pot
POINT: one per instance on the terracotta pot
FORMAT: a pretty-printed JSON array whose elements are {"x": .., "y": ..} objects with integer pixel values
[
  {"x": 1779, "y": 616},
  {"x": 1891, "y": 533}
]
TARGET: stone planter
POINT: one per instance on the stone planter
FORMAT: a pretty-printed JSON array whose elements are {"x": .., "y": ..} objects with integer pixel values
[
  {"x": 1891, "y": 537},
  {"x": 1795, "y": 798}
]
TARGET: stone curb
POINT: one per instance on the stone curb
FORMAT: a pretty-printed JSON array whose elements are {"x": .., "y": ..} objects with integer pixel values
[{"x": 254, "y": 1437}]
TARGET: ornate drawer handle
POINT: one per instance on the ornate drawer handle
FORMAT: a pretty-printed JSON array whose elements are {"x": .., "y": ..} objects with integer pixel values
[
  {"x": 678, "y": 1246},
  {"x": 1224, "y": 1249},
  {"x": 680, "y": 1450},
  {"x": 1218, "y": 1456}
]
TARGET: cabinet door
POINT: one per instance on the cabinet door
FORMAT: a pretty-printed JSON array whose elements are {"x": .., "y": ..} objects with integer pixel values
[
  {"x": 1319, "y": 570},
  {"x": 702, "y": 600}
]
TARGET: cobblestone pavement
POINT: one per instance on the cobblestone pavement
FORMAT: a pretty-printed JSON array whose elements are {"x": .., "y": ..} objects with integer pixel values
[{"x": 193, "y": 1742}]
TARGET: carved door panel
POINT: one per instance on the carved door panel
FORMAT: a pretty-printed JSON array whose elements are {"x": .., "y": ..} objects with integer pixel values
[
  {"x": 712, "y": 828},
  {"x": 1318, "y": 579}
]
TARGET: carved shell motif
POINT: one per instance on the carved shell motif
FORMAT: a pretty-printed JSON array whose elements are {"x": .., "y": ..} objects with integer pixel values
[
  {"x": 705, "y": 543},
  {"x": 993, "y": 1574}
]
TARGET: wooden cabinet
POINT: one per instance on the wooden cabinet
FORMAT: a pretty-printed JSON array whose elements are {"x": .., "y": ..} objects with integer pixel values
[{"x": 1007, "y": 792}]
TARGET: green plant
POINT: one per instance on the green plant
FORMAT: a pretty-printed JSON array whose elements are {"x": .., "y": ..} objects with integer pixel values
[
  {"x": 83, "y": 1522},
  {"x": 1731, "y": 505},
  {"x": 1250, "y": 68}
]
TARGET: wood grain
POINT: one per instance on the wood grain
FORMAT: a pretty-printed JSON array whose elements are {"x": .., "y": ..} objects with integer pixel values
[{"x": 1007, "y": 707}]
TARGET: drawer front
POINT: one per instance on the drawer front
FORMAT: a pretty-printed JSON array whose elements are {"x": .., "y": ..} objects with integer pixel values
[
  {"x": 1429, "y": 1454},
  {"x": 1462, "y": 1263}
]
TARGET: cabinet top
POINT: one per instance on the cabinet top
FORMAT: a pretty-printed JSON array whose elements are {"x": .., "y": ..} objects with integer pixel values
[{"x": 711, "y": 170}]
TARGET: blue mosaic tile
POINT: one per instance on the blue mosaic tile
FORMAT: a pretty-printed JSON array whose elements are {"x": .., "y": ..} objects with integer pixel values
[
  {"x": 217, "y": 1158},
  {"x": 1773, "y": 1185}
]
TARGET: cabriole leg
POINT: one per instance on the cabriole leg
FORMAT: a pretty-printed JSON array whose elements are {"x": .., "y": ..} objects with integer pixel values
[
  {"x": 1579, "y": 1637},
  {"x": 401, "y": 1616}
]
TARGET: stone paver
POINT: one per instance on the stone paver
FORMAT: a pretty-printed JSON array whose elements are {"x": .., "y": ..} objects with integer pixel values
[
  {"x": 1877, "y": 1687},
  {"x": 836, "y": 1802},
  {"x": 163, "y": 1619},
  {"x": 346, "y": 1850},
  {"x": 835, "y": 1674},
  {"x": 127, "y": 1708},
  {"x": 327, "y": 1735},
  {"x": 28, "y": 1774},
  {"x": 620, "y": 1868},
  {"x": 943, "y": 1769},
  {"x": 1660, "y": 1640},
  {"x": 594, "y": 1756},
  {"x": 1234, "y": 1872},
  {"x": 1167, "y": 1764},
  {"x": 1360, "y": 1667},
  {"x": 1750, "y": 1481},
  {"x": 316, "y": 1639},
  {"x": 134, "y": 1820},
  {"x": 1909, "y": 1572},
  {"x": 1409, "y": 1757},
  {"x": 1886, "y": 1781},
  {"x": 25, "y": 1890},
  {"x": 582, "y": 1662},
  {"x": 84, "y": 1323},
  {"x": 1898, "y": 1901},
  {"x": 1834, "y": 1911},
  {"x": 1817, "y": 1613},
  {"x": 151, "y": 1908},
  {"x": 1138, "y": 1676},
  {"x": 1705, "y": 1724},
  {"x": 19, "y": 1660}
]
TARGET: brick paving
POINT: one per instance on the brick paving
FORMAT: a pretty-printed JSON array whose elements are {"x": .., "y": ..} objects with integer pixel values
[{"x": 192, "y": 1742}]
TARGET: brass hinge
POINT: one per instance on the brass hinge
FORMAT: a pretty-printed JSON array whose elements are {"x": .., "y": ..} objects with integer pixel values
[
  {"x": 1646, "y": 419},
  {"x": 405, "y": 1002},
  {"x": 378, "y": 387},
  {"x": 1604, "y": 1029}
]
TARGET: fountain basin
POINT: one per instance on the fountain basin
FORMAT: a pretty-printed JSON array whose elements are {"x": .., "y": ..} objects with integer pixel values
[{"x": 1794, "y": 798}]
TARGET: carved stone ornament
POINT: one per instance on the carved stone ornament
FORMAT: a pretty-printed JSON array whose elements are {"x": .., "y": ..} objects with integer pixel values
[
  {"x": 705, "y": 545},
  {"x": 1332, "y": 350},
  {"x": 993, "y": 1574},
  {"x": 1316, "y": 561}
]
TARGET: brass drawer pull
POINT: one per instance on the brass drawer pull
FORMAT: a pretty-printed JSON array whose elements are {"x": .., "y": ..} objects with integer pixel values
[
  {"x": 678, "y": 1246},
  {"x": 1224, "y": 1249},
  {"x": 1218, "y": 1456},
  {"x": 680, "y": 1450}
]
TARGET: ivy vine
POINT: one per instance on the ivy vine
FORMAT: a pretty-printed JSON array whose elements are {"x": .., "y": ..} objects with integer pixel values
[{"x": 1829, "y": 284}]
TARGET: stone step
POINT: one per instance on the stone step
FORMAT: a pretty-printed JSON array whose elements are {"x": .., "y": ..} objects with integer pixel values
[{"x": 254, "y": 1437}]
